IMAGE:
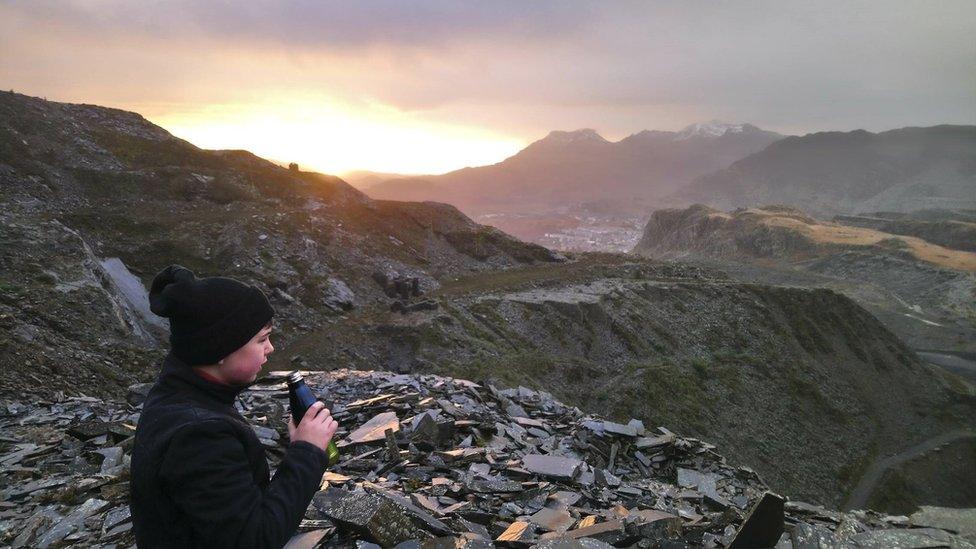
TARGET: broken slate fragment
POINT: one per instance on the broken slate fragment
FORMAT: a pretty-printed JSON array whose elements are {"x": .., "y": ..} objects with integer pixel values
[
  {"x": 570, "y": 543},
  {"x": 113, "y": 458},
  {"x": 115, "y": 517},
  {"x": 629, "y": 430},
  {"x": 603, "y": 478},
  {"x": 553, "y": 520},
  {"x": 265, "y": 432},
  {"x": 35, "y": 486},
  {"x": 551, "y": 466},
  {"x": 492, "y": 486},
  {"x": 813, "y": 536},
  {"x": 72, "y": 522},
  {"x": 420, "y": 517},
  {"x": 480, "y": 469},
  {"x": 88, "y": 430},
  {"x": 764, "y": 524},
  {"x": 514, "y": 410},
  {"x": 916, "y": 537},
  {"x": 466, "y": 541},
  {"x": 374, "y": 429},
  {"x": 137, "y": 393},
  {"x": 306, "y": 540},
  {"x": 518, "y": 534},
  {"x": 430, "y": 433},
  {"x": 374, "y": 517},
  {"x": 563, "y": 499},
  {"x": 612, "y": 532},
  {"x": 688, "y": 478},
  {"x": 29, "y": 531},
  {"x": 654, "y": 442},
  {"x": 962, "y": 521}
]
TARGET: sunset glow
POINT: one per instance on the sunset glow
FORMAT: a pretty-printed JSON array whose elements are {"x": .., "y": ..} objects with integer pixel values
[
  {"x": 324, "y": 135},
  {"x": 430, "y": 87}
]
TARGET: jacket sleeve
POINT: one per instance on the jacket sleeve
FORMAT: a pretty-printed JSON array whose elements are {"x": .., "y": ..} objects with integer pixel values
[{"x": 206, "y": 472}]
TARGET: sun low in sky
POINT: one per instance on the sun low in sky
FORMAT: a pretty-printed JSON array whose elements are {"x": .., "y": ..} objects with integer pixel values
[
  {"x": 323, "y": 135},
  {"x": 429, "y": 86}
]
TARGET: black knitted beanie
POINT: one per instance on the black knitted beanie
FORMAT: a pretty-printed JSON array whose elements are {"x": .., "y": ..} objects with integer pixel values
[{"x": 209, "y": 318}]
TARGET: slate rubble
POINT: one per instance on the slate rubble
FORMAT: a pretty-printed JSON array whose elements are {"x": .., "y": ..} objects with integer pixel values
[{"x": 430, "y": 461}]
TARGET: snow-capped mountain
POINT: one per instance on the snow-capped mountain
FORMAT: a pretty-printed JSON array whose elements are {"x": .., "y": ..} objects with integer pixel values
[{"x": 712, "y": 128}]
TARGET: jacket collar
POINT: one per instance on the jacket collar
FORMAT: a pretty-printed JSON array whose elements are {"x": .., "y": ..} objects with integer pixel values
[{"x": 180, "y": 375}]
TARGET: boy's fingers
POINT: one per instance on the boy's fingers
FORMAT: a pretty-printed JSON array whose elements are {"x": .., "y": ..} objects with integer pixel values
[
  {"x": 324, "y": 415},
  {"x": 314, "y": 409}
]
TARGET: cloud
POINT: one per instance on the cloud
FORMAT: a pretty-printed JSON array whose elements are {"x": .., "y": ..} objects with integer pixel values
[
  {"x": 308, "y": 24},
  {"x": 619, "y": 66}
]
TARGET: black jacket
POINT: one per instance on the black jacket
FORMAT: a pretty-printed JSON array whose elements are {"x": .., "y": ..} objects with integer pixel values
[{"x": 199, "y": 475}]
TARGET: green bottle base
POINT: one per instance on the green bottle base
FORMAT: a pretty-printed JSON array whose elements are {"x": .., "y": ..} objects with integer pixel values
[{"x": 333, "y": 453}]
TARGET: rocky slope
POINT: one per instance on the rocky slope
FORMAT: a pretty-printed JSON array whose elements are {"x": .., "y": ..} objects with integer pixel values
[
  {"x": 459, "y": 464},
  {"x": 803, "y": 385},
  {"x": 95, "y": 201},
  {"x": 831, "y": 173},
  {"x": 924, "y": 292}
]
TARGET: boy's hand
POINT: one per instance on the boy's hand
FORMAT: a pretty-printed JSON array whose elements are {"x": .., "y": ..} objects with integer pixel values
[{"x": 317, "y": 427}]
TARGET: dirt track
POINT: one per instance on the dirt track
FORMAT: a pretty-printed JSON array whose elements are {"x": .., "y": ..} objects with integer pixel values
[{"x": 869, "y": 481}]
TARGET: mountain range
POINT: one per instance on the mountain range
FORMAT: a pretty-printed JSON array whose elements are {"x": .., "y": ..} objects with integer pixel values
[
  {"x": 568, "y": 168},
  {"x": 831, "y": 173},
  {"x": 578, "y": 191}
]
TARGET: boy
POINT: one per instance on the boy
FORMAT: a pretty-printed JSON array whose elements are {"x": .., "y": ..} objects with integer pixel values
[{"x": 199, "y": 475}]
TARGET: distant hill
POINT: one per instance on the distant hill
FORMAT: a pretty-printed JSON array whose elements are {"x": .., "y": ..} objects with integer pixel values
[
  {"x": 923, "y": 291},
  {"x": 568, "y": 168},
  {"x": 364, "y": 179},
  {"x": 841, "y": 173},
  {"x": 950, "y": 228}
]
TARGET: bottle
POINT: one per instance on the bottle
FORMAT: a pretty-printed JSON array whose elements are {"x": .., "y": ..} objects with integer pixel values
[{"x": 300, "y": 398}]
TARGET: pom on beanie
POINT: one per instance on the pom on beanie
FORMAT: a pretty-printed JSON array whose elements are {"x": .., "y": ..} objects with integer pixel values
[
  {"x": 209, "y": 318},
  {"x": 164, "y": 294}
]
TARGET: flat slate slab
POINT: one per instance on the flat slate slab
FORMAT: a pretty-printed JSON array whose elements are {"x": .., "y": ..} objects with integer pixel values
[
  {"x": 374, "y": 429},
  {"x": 552, "y": 466}
]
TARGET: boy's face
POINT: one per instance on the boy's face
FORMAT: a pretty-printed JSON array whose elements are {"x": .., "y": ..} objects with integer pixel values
[{"x": 243, "y": 365}]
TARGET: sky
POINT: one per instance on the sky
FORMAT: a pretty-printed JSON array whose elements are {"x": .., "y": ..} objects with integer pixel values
[{"x": 430, "y": 86}]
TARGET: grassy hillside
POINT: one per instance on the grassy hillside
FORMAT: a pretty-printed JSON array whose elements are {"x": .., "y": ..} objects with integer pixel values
[{"x": 804, "y": 385}]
